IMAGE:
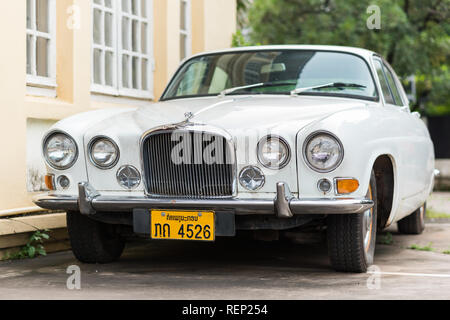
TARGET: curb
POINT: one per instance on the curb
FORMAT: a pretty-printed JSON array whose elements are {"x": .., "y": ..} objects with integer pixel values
[
  {"x": 15, "y": 232},
  {"x": 437, "y": 220}
]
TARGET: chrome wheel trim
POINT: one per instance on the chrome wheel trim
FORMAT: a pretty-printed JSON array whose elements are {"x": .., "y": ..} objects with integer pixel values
[
  {"x": 367, "y": 223},
  {"x": 367, "y": 228},
  {"x": 422, "y": 216}
]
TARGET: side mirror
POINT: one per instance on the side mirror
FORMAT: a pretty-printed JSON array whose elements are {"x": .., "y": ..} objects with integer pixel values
[{"x": 416, "y": 114}]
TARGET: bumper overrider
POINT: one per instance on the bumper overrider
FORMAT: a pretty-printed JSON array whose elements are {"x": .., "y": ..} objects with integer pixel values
[{"x": 284, "y": 205}]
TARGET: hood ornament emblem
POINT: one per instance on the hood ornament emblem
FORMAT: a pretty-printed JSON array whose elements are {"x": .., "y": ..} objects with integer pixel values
[{"x": 188, "y": 116}]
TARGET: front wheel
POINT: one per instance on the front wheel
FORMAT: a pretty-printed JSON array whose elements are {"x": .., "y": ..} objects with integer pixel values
[
  {"x": 352, "y": 237},
  {"x": 93, "y": 241}
]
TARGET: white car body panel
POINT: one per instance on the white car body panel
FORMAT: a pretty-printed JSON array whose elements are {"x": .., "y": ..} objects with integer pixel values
[{"x": 366, "y": 129}]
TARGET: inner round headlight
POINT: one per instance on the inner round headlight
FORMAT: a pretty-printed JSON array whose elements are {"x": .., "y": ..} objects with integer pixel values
[
  {"x": 323, "y": 152},
  {"x": 273, "y": 152},
  {"x": 104, "y": 153},
  {"x": 60, "y": 150}
]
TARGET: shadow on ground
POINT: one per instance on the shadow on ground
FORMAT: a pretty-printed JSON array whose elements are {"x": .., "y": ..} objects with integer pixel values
[{"x": 232, "y": 268}]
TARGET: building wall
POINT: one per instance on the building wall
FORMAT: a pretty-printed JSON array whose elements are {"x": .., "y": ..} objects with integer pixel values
[
  {"x": 24, "y": 117},
  {"x": 225, "y": 9}
]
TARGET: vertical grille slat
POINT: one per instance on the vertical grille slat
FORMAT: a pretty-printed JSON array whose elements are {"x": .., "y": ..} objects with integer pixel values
[{"x": 193, "y": 178}]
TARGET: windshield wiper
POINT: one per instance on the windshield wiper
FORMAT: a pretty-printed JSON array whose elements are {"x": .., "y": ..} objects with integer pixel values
[
  {"x": 293, "y": 92},
  {"x": 256, "y": 85},
  {"x": 230, "y": 90},
  {"x": 327, "y": 85}
]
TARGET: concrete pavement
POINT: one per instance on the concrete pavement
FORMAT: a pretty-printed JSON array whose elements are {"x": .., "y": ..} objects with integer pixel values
[
  {"x": 439, "y": 202},
  {"x": 238, "y": 269}
]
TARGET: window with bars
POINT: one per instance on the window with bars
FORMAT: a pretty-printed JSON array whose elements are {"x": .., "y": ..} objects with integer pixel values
[
  {"x": 122, "y": 61},
  {"x": 185, "y": 28},
  {"x": 41, "y": 49}
]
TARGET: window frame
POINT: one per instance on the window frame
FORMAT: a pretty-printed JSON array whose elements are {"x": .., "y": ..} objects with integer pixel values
[
  {"x": 103, "y": 88},
  {"x": 188, "y": 31},
  {"x": 377, "y": 59},
  {"x": 367, "y": 61},
  {"x": 386, "y": 67},
  {"x": 34, "y": 80},
  {"x": 398, "y": 85},
  {"x": 392, "y": 86},
  {"x": 118, "y": 90}
]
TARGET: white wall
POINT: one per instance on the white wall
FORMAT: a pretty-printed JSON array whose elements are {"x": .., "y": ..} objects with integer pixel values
[{"x": 36, "y": 170}]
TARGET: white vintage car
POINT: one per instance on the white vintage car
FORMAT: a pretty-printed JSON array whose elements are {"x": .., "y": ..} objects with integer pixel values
[{"x": 258, "y": 138}]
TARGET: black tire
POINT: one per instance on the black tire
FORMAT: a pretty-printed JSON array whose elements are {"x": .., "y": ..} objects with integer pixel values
[
  {"x": 346, "y": 235},
  {"x": 93, "y": 241},
  {"x": 414, "y": 223}
]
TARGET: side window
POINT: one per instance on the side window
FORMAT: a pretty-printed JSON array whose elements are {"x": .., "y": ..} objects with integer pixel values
[
  {"x": 383, "y": 82},
  {"x": 393, "y": 86}
]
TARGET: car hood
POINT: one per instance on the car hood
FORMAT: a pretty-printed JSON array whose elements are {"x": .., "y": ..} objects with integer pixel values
[
  {"x": 274, "y": 113},
  {"x": 250, "y": 112}
]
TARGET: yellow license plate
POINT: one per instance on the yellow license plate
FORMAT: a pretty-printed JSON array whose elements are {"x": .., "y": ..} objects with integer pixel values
[{"x": 182, "y": 225}]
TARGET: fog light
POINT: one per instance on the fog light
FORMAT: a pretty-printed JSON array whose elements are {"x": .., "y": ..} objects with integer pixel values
[
  {"x": 324, "y": 185},
  {"x": 346, "y": 185},
  {"x": 50, "y": 181},
  {"x": 63, "y": 182},
  {"x": 128, "y": 177},
  {"x": 251, "y": 178}
]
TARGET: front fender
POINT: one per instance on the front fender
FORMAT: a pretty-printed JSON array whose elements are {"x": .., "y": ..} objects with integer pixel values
[
  {"x": 361, "y": 134},
  {"x": 76, "y": 127}
]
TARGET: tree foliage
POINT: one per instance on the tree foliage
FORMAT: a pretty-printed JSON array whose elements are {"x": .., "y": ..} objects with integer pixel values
[
  {"x": 414, "y": 34},
  {"x": 242, "y": 7}
]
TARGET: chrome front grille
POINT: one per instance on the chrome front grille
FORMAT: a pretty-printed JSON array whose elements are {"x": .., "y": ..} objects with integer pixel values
[{"x": 192, "y": 164}]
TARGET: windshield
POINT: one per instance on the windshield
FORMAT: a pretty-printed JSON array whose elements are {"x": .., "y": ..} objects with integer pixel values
[{"x": 274, "y": 72}]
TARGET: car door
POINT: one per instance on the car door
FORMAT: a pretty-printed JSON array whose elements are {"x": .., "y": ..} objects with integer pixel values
[{"x": 411, "y": 141}]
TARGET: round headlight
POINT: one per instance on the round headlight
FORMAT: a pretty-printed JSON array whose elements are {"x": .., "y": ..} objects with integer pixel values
[
  {"x": 273, "y": 152},
  {"x": 252, "y": 178},
  {"x": 323, "y": 152},
  {"x": 104, "y": 153},
  {"x": 60, "y": 151}
]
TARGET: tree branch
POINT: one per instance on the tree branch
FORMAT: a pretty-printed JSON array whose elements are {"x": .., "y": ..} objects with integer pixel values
[{"x": 432, "y": 15}]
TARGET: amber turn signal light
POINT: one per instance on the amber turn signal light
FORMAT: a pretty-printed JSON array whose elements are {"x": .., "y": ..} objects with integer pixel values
[
  {"x": 50, "y": 181},
  {"x": 345, "y": 186}
]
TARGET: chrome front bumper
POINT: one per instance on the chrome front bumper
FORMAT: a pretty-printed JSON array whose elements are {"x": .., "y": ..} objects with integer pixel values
[{"x": 284, "y": 205}]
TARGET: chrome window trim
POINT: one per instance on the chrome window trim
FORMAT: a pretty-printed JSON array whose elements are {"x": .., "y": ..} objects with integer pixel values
[
  {"x": 257, "y": 49},
  {"x": 308, "y": 139},
  {"x": 44, "y": 141},
  {"x": 91, "y": 143},
  {"x": 190, "y": 126}
]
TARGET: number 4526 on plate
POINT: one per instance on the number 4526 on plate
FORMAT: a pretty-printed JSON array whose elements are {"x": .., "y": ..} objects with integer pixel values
[{"x": 182, "y": 225}]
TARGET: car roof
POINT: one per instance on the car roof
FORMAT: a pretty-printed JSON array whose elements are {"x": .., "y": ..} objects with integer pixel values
[{"x": 358, "y": 51}]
